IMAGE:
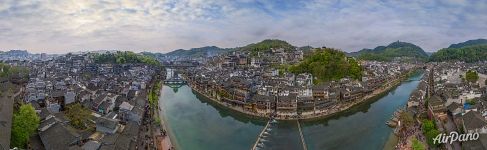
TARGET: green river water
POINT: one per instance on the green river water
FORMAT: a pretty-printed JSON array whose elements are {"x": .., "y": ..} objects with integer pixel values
[{"x": 196, "y": 123}]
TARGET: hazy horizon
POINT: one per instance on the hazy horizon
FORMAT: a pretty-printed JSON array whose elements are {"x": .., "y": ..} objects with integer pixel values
[{"x": 163, "y": 26}]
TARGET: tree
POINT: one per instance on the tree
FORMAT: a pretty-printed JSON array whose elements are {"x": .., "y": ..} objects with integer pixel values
[
  {"x": 471, "y": 101},
  {"x": 430, "y": 135},
  {"x": 25, "y": 123},
  {"x": 417, "y": 145},
  {"x": 428, "y": 125},
  {"x": 78, "y": 115},
  {"x": 406, "y": 119},
  {"x": 471, "y": 76}
]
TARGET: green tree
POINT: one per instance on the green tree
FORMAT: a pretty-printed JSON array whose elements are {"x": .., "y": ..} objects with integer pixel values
[
  {"x": 78, "y": 115},
  {"x": 430, "y": 135},
  {"x": 406, "y": 119},
  {"x": 471, "y": 76},
  {"x": 428, "y": 125},
  {"x": 417, "y": 145},
  {"x": 25, "y": 123},
  {"x": 471, "y": 101}
]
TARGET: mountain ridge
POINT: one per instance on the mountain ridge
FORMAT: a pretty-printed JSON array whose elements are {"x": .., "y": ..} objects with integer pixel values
[
  {"x": 468, "y": 51},
  {"x": 391, "y": 51},
  {"x": 469, "y": 43}
]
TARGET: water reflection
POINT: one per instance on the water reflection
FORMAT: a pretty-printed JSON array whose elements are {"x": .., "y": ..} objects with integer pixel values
[
  {"x": 363, "y": 126},
  {"x": 199, "y": 123},
  {"x": 227, "y": 112}
]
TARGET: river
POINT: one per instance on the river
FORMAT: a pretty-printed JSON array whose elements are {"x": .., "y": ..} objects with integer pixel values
[{"x": 195, "y": 122}]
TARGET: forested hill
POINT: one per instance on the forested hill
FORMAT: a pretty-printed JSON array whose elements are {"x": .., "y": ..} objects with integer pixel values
[
  {"x": 469, "y": 43},
  {"x": 469, "y": 51},
  {"x": 254, "y": 48},
  {"x": 328, "y": 64},
  {"x": 198, "y": 52},
  {"x": 267, "y": 45},
  {"x": 391, "y": 51}
]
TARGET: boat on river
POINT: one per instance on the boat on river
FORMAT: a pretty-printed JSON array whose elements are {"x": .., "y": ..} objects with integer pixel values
[{"x": 393, "y": 122}]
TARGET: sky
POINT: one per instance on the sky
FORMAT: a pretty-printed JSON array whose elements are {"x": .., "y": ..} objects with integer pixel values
[{"x": 61, "y": 26}]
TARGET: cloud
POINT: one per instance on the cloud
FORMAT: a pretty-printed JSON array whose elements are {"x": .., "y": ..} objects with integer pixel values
[{"x": 161, "y": 26}]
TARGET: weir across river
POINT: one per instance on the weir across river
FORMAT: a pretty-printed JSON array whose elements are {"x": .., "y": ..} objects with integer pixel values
[{"x": 260, "y": 142}]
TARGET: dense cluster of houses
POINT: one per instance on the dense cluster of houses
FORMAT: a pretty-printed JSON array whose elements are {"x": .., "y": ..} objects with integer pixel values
[
  {"x": 255, "y": 87},
  {"x": 452, "y": 99},
  {"x": 114, "y": 93}
]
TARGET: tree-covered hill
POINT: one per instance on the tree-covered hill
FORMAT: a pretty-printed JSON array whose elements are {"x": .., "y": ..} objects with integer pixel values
[
  {"x": 391, "y": 51},
  {"x": 253, "y": 49},
  {"x": 473, "y": 53},
  {"x": 198, "y": 52},
  {"x": 328, "y": 64},
  {"x": 267, "y": 45},
  {"x": 125, "y": 57},
  {"x": 469, "y": 43}
]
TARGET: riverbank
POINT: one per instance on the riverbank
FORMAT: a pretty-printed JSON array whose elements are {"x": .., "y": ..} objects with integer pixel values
[
  {"x": 347, "y": 106},
  {"x": 229, "y": 107},
  {"x": 200, "y": 123},
  {"x": 376, "y": 94},
  {"x": 160, "y": 133},
  {"x": 391, "y": 143}
]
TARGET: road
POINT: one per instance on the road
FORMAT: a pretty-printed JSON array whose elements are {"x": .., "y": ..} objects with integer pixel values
[
  {"x": 482, "y": 78},
  {"x": 6, "y": 113}
]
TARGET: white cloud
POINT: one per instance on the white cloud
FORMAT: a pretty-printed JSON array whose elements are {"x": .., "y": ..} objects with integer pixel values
[{"x": 60, "y": 26}]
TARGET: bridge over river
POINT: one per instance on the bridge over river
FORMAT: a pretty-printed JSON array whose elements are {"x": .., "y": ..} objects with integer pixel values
[{"x": 195, "y": 122}]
